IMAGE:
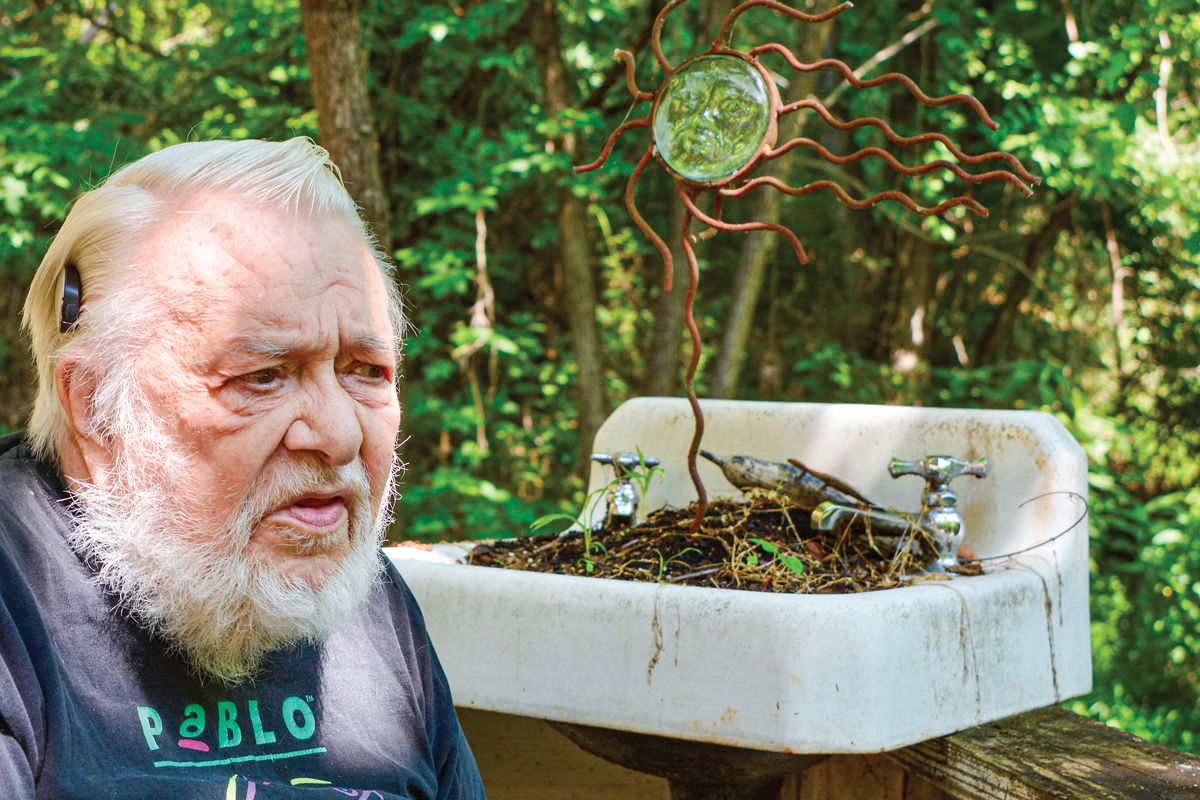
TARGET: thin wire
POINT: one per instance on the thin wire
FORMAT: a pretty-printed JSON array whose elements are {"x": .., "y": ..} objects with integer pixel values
[{"x": 1086, "y": 508}]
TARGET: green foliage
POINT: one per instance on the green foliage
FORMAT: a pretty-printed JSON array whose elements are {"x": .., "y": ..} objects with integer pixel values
[
  {"x": 791, "y": 562},
  {"x": 1018, "y": 310}
]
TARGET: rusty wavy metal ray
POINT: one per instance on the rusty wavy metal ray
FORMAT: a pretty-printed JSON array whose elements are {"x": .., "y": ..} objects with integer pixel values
[
  {"x": 908, "y": 141},
  {"x": 894, "y": 163},
  {"x": 631, "y": 205},
  {"x": 608, "y": 145},
  {"x": 891, "y": 77},
  {"x": 744, "y": 227},
  {"x": 726, "y": 30},
  {"x": 858, "y": 205}
]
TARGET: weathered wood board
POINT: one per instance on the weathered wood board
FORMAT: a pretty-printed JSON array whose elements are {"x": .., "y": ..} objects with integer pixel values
[{"x": 1052, "y": 754}]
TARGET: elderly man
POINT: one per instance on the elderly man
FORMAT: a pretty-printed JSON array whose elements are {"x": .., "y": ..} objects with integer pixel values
[{"x": 192, "y": 599}]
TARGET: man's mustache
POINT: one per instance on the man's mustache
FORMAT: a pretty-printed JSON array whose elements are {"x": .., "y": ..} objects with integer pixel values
[{"x": 284, "y": 483}]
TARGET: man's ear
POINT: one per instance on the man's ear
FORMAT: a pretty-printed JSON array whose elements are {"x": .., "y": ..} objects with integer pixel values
[{"x": 85, "y": 454}]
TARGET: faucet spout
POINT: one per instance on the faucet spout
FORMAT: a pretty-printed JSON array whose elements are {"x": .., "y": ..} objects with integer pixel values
[
  {"x": 892, "y": 530},
  {"x": 828, "y": 515}
]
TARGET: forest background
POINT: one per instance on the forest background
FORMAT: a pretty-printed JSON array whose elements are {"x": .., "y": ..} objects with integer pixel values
[{"x": 537, "y": 306}]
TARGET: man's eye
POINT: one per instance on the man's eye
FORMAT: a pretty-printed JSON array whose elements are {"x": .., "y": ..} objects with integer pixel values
[
  {"x": 263, "y": 377},
  {"x": 372, "y": 371}
]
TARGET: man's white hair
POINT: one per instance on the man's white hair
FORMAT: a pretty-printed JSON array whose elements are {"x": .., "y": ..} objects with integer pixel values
[{"x": 108, "y": 226}]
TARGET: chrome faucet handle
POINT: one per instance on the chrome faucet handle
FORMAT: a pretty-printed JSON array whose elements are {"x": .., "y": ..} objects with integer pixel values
[
  {"x": 938, "y": 471},
  {"x": 623, "y": 463},
  {"x": 942, "y": 518}
]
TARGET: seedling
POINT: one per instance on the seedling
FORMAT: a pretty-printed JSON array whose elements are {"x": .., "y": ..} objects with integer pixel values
[
  {"x": 644, "y": 475},
  {"x": 662, "y": 563},
  {"x": 791, "y": 562}
]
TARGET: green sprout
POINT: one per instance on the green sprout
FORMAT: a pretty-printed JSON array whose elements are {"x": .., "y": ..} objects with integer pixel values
[
  {"x": 662, "y": 563},
  {"x": 791, "y": 562}
]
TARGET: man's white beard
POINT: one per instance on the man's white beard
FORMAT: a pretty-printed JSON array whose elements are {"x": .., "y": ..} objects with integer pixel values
[{"x": 189, "y": 582}]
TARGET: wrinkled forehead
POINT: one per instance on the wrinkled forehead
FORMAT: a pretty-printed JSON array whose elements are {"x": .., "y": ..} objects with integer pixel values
[{"x": 221, "y": 256}]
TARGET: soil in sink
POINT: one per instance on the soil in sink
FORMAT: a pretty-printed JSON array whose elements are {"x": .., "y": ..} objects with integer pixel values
[{"x": 764, "y": 544}]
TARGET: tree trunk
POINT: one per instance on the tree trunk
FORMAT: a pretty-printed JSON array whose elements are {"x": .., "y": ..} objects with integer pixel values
[
  {"x": 998, "y": 332},
  {"x": 665, "y": 352},
  {"x": 761, "y": 245},
  {"x": 17, "y": 376},
  {"x": 908, "y": 317},
  {"x": 337, "y": 67},
  {"x": 578, "y": 280}
]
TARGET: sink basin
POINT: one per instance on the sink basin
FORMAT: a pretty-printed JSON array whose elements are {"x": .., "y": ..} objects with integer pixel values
[{"x": 796, "y": 673}]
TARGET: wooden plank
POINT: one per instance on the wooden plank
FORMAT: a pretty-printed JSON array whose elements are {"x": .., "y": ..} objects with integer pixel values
[
  {"x": 1052, "y": 754},
  {"x": 521, "y": 758},
  {"x": 917, "y": 789},
  {"x": 853, "y": 778}
]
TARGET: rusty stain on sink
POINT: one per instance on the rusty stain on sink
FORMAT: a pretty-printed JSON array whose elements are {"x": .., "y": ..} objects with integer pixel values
[{"x": 726, "y": 718}]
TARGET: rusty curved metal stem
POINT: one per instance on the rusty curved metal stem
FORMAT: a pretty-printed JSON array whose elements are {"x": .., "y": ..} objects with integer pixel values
[
  {"x": 842, "y": 195},
  {"x": 689, "y": 381},
  {"x": 743, "y": 227},
  {"x": 718, "y": 208},
  {"x": 891, "y": 77},
  {"x": 631, "y": 204},
  {"x": 726, "y": 29},
  {"x": 608, "y": 146},
  {"x": 656, "y": 36},
  {"x": 894, "y": 163},
  {"x": 908, "y": 141},
  {"x": 630, "y": 79}
]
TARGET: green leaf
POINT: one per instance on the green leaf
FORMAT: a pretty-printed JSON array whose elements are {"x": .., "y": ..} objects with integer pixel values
[
  {"x": 1126, "y": 116},
  {"x": 791, "y": 562},
  {"x": 543, "y": 521}
]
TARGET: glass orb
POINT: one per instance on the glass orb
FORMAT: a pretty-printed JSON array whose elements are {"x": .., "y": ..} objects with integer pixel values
[{"x": 712, "y": 117}]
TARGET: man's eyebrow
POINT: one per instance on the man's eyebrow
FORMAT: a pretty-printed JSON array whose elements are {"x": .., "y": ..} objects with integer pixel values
[
  {"x": 257, "y": 346},
  {"x": 368, "y": 343},
  {"x": 267, "y": 348}
]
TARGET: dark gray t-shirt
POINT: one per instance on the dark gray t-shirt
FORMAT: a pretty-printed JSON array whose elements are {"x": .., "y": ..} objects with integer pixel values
[{"x": 93, "y": 707}]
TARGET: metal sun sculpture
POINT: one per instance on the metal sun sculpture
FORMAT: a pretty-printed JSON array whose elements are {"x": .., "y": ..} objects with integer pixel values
[{"x": 714, "y": 121}]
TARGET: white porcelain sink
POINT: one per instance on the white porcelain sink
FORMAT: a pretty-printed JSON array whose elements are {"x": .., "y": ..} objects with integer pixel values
[{"x": 796, "y": 673}]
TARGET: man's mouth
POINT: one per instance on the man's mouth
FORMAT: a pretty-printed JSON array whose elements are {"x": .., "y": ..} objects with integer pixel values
[{"x": 319, "y": 510}]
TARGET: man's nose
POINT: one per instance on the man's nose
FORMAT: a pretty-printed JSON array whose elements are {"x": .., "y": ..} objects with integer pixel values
[{"x": 326, "y": 423}]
